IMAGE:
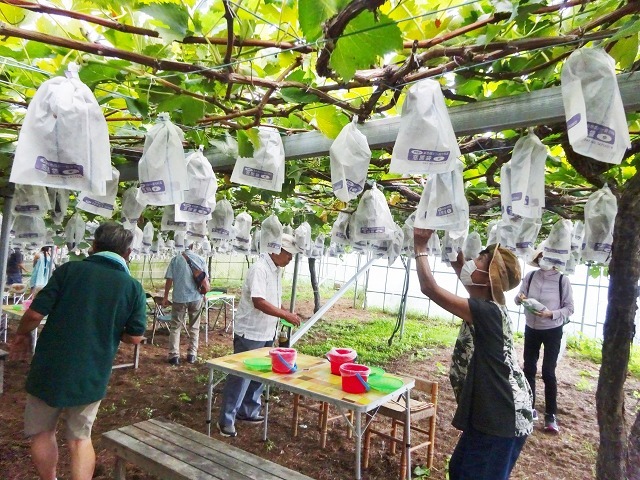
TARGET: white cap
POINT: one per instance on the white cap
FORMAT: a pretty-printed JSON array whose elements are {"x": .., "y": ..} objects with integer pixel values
[{"x": 289, "y": 244}]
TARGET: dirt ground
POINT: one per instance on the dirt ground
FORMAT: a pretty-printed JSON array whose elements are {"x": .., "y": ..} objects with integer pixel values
[{"x": 157, "y": 389}]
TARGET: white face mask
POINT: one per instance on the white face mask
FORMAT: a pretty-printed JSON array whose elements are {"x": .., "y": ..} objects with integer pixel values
[
  {"x": 545, "y": 267},
  {"x": 465, "y": 274}
]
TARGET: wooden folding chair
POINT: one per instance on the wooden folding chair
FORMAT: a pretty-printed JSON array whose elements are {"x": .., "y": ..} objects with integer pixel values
[
  {"x": 322, "y": 409},
  {"x": 421, "y": 410}
]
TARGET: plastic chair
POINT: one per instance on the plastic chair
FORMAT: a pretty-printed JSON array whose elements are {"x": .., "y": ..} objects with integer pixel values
[
  {"x": 421, "y": 410},
  {"x": 162, "y": 317},
  {"x": 322, "y": 409}
]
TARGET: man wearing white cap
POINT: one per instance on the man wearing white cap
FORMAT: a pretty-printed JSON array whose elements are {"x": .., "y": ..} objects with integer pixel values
[{"x": 255, "y": 327}]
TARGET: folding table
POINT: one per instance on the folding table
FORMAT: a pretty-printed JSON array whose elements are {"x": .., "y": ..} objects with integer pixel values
[{"x": 312, "y": 379}]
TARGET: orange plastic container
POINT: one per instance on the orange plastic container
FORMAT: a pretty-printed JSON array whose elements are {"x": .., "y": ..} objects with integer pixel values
[
  {"x": 283, "y": 360},
  {"x": 338, "y": 356},
  {"x": 354, "y": 377}
]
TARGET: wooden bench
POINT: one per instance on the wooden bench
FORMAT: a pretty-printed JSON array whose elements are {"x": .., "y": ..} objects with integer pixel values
[
  {"x": 3, "y": 357},
  {"x": 170, "y": 451}
]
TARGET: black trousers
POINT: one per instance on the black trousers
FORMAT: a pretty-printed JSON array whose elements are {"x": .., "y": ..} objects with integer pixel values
[{"x": 533, "y": 340}]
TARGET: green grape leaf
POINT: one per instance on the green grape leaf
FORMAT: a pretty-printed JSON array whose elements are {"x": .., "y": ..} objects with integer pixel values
[
  {"x": 329, "y": 120},
  {"x": 171, "y": 20},
  {"x": 296, "y": 95},
  {"x": 312, "y": 14},
  {"x": 625, "y": 50},
  {"x": 245, "y": 146},
  {"x": 363, "y": 42}
]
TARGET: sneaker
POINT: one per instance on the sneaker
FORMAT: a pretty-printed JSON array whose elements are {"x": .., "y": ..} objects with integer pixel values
[
  {"x": 535, "y": 415},
  {"x": 255, "y": 420},
  {"x": 191, "y": 358},
  {"x": 551, "y": 424},
  {"x": 227, "y": 431},
  {"x": 174, "y": 361}
]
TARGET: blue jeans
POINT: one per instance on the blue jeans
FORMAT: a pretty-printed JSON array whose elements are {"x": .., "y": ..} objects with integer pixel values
[
  {"x": 479, "y": 456},
  {"x": 241, "y": 396}
]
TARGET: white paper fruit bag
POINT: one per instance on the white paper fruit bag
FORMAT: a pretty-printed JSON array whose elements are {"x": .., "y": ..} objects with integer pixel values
[{"x": 426, "y": 142}]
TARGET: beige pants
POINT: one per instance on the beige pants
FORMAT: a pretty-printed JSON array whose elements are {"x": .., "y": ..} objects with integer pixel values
[
  {"x": 178, "y": 311},
  {"x": 40, "y": 417}
]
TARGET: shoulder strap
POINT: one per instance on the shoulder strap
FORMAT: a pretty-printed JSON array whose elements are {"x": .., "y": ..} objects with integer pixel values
[
  {"x": 188, "y": 260},
  {"x": 560, "y": 287},
  {"x": 529, "y": 283}
]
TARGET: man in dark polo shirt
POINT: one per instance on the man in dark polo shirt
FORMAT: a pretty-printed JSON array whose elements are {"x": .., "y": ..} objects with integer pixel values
[{"x": 91, "y": 306}]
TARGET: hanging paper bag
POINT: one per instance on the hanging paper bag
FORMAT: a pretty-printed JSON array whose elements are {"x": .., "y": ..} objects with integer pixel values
[
  {"x": 302, "y": 236},
  {"x": 372, "y": 219},
  {"x": 452, "y": 243},
  {"x": 340, "y": 229},
  {"x": 221, "y": 224},
  {"x": 577, "y": 238},
  {"x": 426, "y": 142},
  {"x": 472, "y": 246},
  {"x": 527, "y": 177},
  {"x": 557, "y": 247},
  {"x": 147, "y": 237},
  {"x": 254, "y": 249},
  {"x": 136, "y": 243},
  {"x": 28, "y": 230},
  {"x": 31, "y": 200},
  {"x": 271, "y": 235},
  {"x": 200, "y": 198},
  {"x": 317, "y": 248},
  {"x": 350, "y": 156},
  {"x": 132, "y": 208},
  {"x": 196, "y": 231},
  {"x": 265, "y": 169},
  {"x": 506, "y": 233},
  {"x": 242, "y": 227},
  {"x": 169, "y": 222},
  {"x": 505, "y": 191},
  {"x": 593, "y": 108},
  {"x": 434, "y": 246},
  {"x": 407, "y": 231},
  {"x": 162, "y": 170},
  {"x": 492, "y": 232},
  {"x": 59, "y": 201},
  {"x": 64, "y": 139},
  {"x": 102, "y": 205},
  {"x": 527, "y": 235},
  {"x": 599, "y": 218},
  {"x": 443, "y": 205},
  {"x": 179, "y": 240},
  {"x": 395, "y": 246},
  {"x": 74, "y": 230}
]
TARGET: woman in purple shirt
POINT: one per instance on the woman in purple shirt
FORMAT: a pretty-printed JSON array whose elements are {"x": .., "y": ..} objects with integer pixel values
[{"x": 548, "y": 300}]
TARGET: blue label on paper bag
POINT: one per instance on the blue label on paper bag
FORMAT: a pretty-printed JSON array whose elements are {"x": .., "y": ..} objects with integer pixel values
[
  {"x": 430, "y": 156},
  {"x": 58, "y": 169}
]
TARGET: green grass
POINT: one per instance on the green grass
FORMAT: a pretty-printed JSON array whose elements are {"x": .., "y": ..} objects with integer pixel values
[
  {"x": 591, "y": 349},
  {"x": 369, "y": 338}
]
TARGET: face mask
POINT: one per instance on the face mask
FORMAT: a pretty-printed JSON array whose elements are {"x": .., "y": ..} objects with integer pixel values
[
  {"x": 545, "y": 267},
  {"x": 465, "y": 274}
]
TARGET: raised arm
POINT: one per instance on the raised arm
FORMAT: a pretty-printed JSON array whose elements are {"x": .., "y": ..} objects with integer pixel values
[{"x": 452, "y": 303}]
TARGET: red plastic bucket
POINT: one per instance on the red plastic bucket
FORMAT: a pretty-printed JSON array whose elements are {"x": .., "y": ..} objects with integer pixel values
[
  {"x": 338, "y": 356},
  {"x": 354, "y": 377},
  {"x": 283, "y": 360}
]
